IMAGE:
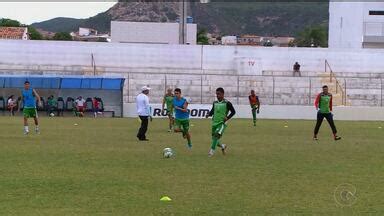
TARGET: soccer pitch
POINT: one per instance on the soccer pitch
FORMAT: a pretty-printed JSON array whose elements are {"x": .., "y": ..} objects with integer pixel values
[{"x": 99, "y": 168}]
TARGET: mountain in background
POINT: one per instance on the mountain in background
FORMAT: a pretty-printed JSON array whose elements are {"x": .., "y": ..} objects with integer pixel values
[{"x": 225, "y": 18}]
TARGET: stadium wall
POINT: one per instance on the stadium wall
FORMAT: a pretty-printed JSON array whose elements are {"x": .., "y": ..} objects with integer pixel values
[
  {"x": 193, "y": 59},
  {"x": 274, "y": 112}
]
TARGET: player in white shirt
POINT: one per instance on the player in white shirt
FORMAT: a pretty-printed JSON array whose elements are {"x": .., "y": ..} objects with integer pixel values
[
  {"x": 80, "y": 102},
  {"x": 11, "y": 103},
  {"x": 144, "y": 112}
]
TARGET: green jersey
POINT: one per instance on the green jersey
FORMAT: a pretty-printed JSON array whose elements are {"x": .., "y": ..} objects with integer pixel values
[
  {"x": 324, "y": 102},
  {"x": 168, "y": 99},
  {"x": 51, "y": 102},
  {"x": 220, "y": 110}
]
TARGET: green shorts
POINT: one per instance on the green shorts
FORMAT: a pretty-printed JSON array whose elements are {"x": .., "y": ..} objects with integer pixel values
[
  {"x": 170, "y": 112},
  {"x": 30, "y": 112},
  {"x": 182, "y": 124},
  {"x": 218, "y": 130}
]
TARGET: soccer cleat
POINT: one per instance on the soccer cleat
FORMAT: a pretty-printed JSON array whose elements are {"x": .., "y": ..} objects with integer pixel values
[
  {"x": 315, "y": 138},
  {"x": 223, "y": 148},
  {"x": 26, "y": 132},
  {"x": 170, "y": 130},
  {"x": 337, "y": 138},
  {"x": 211, "y": 152},
  {"x": 37, "y": 131},
  {"x": 189, "y": 146}
]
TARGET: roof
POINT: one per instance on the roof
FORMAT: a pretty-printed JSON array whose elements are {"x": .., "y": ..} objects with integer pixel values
[
  {"x": 249, "y": 36},
  {"x": 12, "y": 32}
]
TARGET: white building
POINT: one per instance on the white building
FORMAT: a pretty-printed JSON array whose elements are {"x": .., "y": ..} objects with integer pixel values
[
  {"x": 229, "y": 40},
  {"x": 87, "y": 31},
  {"x": 355, "y": 24},
  {"x": 150, "y": 32}
]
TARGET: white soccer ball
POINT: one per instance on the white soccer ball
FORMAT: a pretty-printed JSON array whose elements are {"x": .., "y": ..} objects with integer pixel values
[
  {"x": 168, "y": 153},
  {"x": 51, "y": 114}
]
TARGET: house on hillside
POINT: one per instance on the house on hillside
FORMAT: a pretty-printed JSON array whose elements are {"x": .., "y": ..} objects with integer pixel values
[
  {"x": 14, "y": 33},
  {"x": 89, "y": 34},
  {"x": 249, "y": 40}
]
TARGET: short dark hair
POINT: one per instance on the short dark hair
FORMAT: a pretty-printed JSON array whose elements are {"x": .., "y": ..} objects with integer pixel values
[
  {"x": 177, "y": 90},
  {"x": 325, "y": 86},
  {"x": 26, "y": 82},
  {"x": 220, "y": 89}
]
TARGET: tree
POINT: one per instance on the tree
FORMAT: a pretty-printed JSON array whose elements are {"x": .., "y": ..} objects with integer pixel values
[
  {"x": 9, "y": 23},
  {"x": 34, "y": 34},
  {"x": 314, "y": 36},
  {"x": 202, "y": 37},
  {"x": 62, "y": 36}
]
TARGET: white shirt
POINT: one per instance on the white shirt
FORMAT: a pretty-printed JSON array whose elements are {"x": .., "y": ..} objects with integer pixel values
[
  {"x": 11, "y": 102},
  {"x": 80, "y": 103},
  {"x": 142, "y": 105}
]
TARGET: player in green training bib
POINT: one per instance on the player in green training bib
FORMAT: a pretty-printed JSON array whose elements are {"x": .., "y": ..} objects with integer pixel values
[
  {"x": 323, "y": 104},
  {"x": 168, "y": 101},
  {"x": 219, "y": 113}
]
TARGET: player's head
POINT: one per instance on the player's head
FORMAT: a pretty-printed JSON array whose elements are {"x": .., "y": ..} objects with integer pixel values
[
  {"x": 177, "y": 92},
  {"x": 27, "y": 84},
  {"x": 169, "y": 91},
  {"x": 325, "y": 89},
  {"x": 220, "y": 93},
  {"x": 145, "y": 90},
  {"x": 252, "y": 92}
]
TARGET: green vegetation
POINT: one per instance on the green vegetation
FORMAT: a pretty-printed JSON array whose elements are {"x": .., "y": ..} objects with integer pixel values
[
  {"x": 225, "y": 18},
  {"x": 9, "y": 23},
  {"x": 316, "y": 36},
  {"x": 202, "y": 37},
  {"x": 62, "y": 36},
  {"x": 99, "y": 168}
]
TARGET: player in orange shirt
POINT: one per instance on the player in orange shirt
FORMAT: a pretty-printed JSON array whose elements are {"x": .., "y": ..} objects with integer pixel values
[{"x": 255, "y": 105}]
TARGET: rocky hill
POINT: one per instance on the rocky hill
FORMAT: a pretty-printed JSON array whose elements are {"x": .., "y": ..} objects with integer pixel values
[{"x": 261, "y": 18}]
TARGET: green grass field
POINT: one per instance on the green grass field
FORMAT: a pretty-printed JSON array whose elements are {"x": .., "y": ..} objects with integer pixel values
[{"x": 99, "y": 168}]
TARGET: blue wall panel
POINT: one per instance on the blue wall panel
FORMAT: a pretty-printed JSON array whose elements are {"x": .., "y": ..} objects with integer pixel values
[
  {"x": 112, "y": 84},
  {"x": 70, "y": 83}
]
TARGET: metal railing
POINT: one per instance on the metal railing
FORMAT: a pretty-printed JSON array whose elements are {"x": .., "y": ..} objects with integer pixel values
[
  {"x": 93, "y": 64},
  {"x": 338, "y": 87}
]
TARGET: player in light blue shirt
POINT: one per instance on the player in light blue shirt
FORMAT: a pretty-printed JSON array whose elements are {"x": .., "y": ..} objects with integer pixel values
[
  {"x": 28, "y": 97},
  {"x": 182, "y": 116}
]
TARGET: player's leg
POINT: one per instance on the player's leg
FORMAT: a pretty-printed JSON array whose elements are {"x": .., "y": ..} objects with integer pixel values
[
  {"x": 143, "y": 128},
  {"x": 220, "y": 132},
  {"x": 26, "y": 115},
  {"x": 331, "y": 123},
  {"x": 254, "y": 115},
  {"x": 169, "y": 114},
  {"x": 36, "y": 119},
  {"x": 186, "y": 133},
  {"x": 177, "y": 126},
  {"x": 217, "y": 132},
  {"x": 26, "y": 129},
  {"x": 319, "y": 120}
]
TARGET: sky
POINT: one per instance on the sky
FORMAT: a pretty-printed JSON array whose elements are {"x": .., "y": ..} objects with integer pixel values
[{"x": 30, "y": 12}]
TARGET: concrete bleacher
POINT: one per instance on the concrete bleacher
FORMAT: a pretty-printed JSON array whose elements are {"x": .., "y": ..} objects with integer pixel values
[
  {"x": 201, "y": 88},
  {"x": 361, "y": 89},
  {"x": 273, "y": 87}
]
